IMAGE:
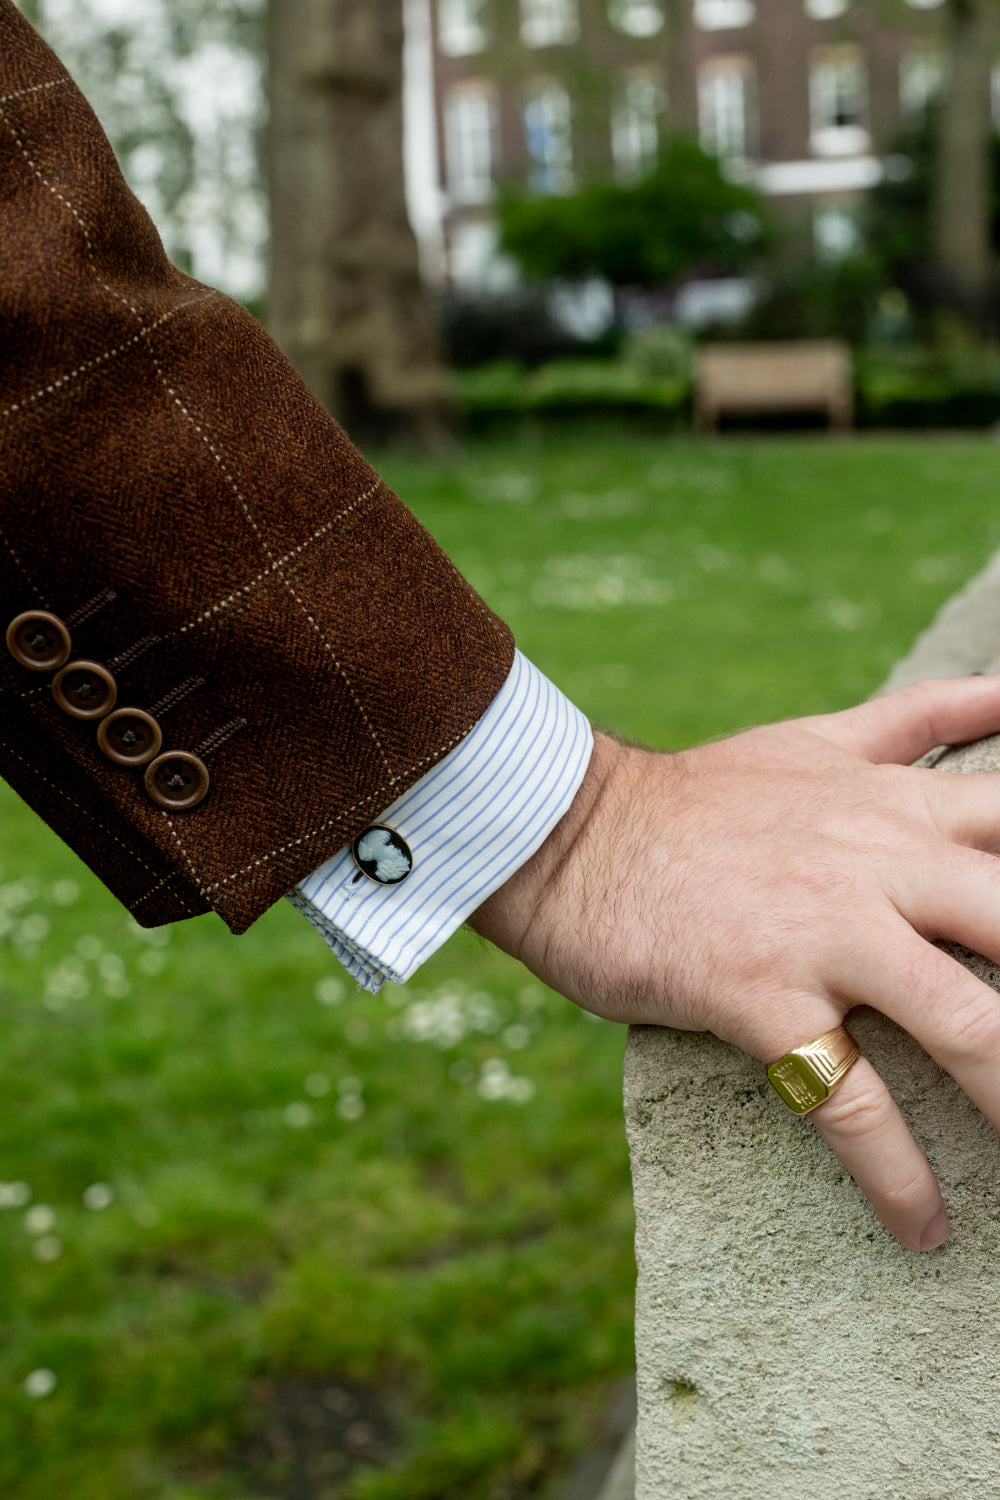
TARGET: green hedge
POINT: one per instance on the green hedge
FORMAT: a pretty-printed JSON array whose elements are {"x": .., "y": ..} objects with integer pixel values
[{"x": 905, "y": 387}]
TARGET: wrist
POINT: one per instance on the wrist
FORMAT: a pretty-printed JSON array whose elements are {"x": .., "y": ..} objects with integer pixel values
[{"x": 509, "y": 918}]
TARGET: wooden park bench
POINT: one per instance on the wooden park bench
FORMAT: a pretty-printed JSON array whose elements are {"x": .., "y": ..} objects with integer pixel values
[{"x": 743, "y": 379}]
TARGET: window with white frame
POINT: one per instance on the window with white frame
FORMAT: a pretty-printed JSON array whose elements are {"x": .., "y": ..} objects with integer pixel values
[
  {"x": 835, "y": 231},
  {"x": 549, "y": 23},
  {"x": 636, "y": 17},
  {"x": 921, "y": 74},
  {"x": 462, "y": 28},
  {"x": 723, "y": 15},
  {"x": 469, "y": 124},
  {"x": 725, "y": 107},
  {"x": 838, "y": 102},
  {"x": 826, "y": 10},
  {"x": 548, "y": 131},
  {"x": 639, "y": 102}
]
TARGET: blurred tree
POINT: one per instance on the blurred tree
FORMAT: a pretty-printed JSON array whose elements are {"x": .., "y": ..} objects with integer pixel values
[
  {"x": 346, "y": 302},
  {"x": 684, "y": 216},
  {"x": 899, "y": 223},
  {"x": 961, "y": 252},
  {"x": 178, "y": 86}
]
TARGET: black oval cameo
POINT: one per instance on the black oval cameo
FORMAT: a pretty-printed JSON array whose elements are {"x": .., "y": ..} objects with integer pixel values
[{"x": 382, "y": 855}]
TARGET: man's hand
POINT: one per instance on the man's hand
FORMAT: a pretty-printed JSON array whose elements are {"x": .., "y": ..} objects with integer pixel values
[{"x": 762, "y": 886}]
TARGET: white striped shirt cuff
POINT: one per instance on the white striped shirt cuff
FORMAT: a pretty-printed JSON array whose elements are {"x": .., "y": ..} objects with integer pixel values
[{"x": 470, "y": 823}]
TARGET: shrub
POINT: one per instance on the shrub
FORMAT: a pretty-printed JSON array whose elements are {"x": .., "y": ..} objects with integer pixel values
[{"x": 684, "y": 217}]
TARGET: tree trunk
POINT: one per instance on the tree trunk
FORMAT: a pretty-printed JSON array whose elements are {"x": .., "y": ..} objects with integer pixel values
[
  {"x": 347, "y": 303},
  {"x": 961, "y": 194}
]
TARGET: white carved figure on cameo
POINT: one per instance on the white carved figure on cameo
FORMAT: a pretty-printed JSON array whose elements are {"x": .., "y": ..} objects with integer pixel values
[{"x": 383, "y": 855}]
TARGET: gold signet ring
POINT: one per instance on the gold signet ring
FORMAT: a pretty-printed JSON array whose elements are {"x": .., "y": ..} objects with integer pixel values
[{"x": 807, "y": 1076}]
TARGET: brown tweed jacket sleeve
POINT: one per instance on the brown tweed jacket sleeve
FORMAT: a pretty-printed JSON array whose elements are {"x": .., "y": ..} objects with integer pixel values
[{"x": 173, "y": 494}]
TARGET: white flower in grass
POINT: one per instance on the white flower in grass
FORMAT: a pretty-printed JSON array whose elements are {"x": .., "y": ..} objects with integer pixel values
[
  {"x": 99, "y": 1195},
  {"x": 317, "y": 1085},
  {"x": 64, "y": 983},
  {"x": 32, "y": 930},
  {"x": 350, "y": 1106},
  {"x": 517, "y": 1037},
  {"x": 531, "y": 997},
  {"x": 329, "y": 991},
  {"x": 17, "y": 893},
  {"x": 48, "y": 1248},
  {"x": 298, "y": 1115},
  {"x": 111, "y": 967},
  {"x": 89, "y": 946},
  {"x": 481, "y": 1010},
  {"x": 39, "y": 1383},
  {"x": 64, "y": 892},
  {"x": 497, "y": 1082},
  {"x": 40, "y": 1220},
  {"x": 152, "y": 962},
  {"x": 14, "y": 1194}
]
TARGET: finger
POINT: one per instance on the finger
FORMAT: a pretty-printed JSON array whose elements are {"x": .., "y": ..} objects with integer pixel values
[
  {"x": 952, "y": 895},
  {"x": 964, "y": 808},
  {"x": 862, "y": 1124},
  {"x": 902, "y": 726},
  {"x": 953, "y": 1015}
]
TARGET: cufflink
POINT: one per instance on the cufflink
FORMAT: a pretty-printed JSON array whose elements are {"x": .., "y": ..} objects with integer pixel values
[{"x": 382, "y": 854}]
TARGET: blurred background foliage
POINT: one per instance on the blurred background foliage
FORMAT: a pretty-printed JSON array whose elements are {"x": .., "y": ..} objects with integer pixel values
[
  {"x": 263, "y": 1237},
  {"x": 181, "y": 87},
  {"x": 684, "y": 215}
]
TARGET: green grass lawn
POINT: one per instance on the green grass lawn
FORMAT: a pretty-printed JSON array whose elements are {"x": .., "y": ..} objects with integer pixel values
[{"x": 261, "y": 1236}]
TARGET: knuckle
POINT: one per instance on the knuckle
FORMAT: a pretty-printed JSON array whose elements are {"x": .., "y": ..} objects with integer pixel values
[
  {"x": 973, "y": 1030},
  {"x": 909, "y": 1198},
  {"x": 858, "y": 1111},
  {"x": 922, "y": 698}
]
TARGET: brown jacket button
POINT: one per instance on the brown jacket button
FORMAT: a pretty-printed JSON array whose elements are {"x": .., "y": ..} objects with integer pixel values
[
  {"x": 85, "y": 690},
  {"x": 129, "y": 737},
  {"x": 39, "y": 640},
  {"x": 177, "y": 780}
]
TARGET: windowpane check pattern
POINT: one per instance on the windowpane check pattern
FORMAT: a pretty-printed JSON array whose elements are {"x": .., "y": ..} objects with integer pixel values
[
  {"x": 636, "y": 17},
  {"x": 462, "y": 27},
  {"x": 635, "y": 125},
  {"x": 548, "y": 130},
  {"x": 838, "y": 101},
  {"x": 469, "y": 123},
  {"x": 921, "y": 74},
  {"x": 723, "y": 15},
  {"x": 549, "y": 23},
  {"x": 725, "y": 87}
]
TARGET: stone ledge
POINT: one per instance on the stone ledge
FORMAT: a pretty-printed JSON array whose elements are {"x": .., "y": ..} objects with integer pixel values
[{"x": 784, "y": 1340}]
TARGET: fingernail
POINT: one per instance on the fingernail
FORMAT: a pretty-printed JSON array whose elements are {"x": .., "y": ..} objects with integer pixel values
[{"x": 936, "y": 1232}]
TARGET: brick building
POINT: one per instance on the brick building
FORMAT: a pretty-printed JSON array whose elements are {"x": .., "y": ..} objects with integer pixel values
[{"x": 800, "y": 97}]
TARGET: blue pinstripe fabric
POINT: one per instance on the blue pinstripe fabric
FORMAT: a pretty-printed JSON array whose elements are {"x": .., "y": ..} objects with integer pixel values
[{"x": 470, "y": 823}]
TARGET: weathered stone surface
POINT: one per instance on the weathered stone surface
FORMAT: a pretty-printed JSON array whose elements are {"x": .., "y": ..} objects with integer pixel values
[
  {"x": 620, "y": 1481},
  {"x": 786, "y": 1343}
]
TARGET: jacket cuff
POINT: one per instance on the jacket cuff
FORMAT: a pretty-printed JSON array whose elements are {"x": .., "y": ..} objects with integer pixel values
[{"x": 469, "y": 823}]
